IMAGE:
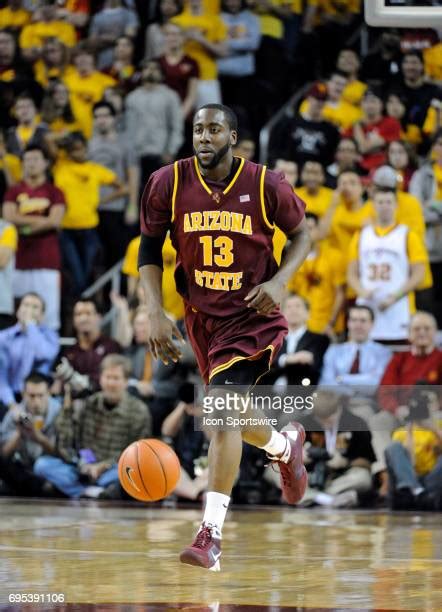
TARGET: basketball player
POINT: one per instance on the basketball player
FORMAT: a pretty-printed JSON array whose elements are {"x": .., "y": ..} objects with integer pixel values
[
  {"x": 221, "y": 211},
  {"x": 387, "y": 263}
]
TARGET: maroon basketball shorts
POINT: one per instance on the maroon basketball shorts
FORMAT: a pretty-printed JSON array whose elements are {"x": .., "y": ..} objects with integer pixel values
[{"x": 220, "y": 342}]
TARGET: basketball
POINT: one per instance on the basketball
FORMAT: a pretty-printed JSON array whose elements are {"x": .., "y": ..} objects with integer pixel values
[{"x": 148, "y": 470}]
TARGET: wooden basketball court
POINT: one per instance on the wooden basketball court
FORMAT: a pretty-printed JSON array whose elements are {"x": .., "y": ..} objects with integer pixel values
[{"x": 273, "y": 558}]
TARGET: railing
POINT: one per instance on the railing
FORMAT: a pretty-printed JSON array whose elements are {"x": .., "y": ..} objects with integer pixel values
[{"x": 112, "y": 276}]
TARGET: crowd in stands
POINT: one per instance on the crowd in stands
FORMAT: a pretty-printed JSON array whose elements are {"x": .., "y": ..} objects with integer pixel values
[{"x": 94, "y": 97}]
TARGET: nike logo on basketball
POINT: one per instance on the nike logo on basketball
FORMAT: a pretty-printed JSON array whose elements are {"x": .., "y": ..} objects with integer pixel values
[{"x": 128, "y": 474}]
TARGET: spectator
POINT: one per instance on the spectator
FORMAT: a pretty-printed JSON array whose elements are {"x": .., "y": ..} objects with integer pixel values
[
  {"x": 154, "y": 121},
  {"x": 301, "y": 355},
  {"x": 14, "y": 16},
  {"x": 8, "y": 247},
  {"x": 348, "y": 62},
  {"x": 289, "y": 170},
  {"x": 321, "y": 281},
  {"x": 86, "y": 87},
  {"x": 359, "y": 361},
  {"x": 26, "y": 433},
  {"x": 10, "y": 168},
  {"x": 338, "y": 454},
  {"x": 190, "y": 446},
  {"x": 54, "y": 62},
  {"x": 237, "y": 68},
  {"x": 180, "y": 71},
  {"x": 122, "y": 68},
  {"x": 45, "y": 24},
  {"x": 387, "y": 263},
  {"x": 381, "y": 66},
  {"x": 401, "y": 158},
  {"x": 37, "y": 208},
  {"x": 245, "y": 146},
  {"x": 374, "y": 131},
  {"x": 75, "y": 12},
  {"x": 427, "y": 186},
  {"x": 315, "y": 195},
  {"x": 307, "y": 136},
  {"x": 414, "y": 460},
  {"x": 347, "y": 212},
  {"x": 205, "y": 34},
  {"x": 57, "y": 114},
  {"x": 336, "y": 110},
  {"x": 111, "y": 150},
  {"x": 416, "y": 91},
  {"x": 81, "y": 181},
  {"x": 112, "y": 21},
  {"x": 26, "y": 346},
  {"x": 347, "y": 157},
  {"x": 154, "y": 40},
  {"x": 29, "y": 131},
  {"x": 86, "y": 355},
  {"x": 89, "y": 447}
]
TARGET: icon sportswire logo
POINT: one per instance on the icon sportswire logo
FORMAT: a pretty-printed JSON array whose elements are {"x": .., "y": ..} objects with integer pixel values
[{"x": 128, "y": 474}]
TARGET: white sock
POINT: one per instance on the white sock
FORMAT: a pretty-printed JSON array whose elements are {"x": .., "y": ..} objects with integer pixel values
[
  {"x": 277, "y": 446},
  {"x": 216, "y": 509}
]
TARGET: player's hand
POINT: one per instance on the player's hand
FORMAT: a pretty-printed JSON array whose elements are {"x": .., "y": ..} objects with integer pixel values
[
  {"x": 266, "y": 297},
  {"x": 160, "y": 341}
]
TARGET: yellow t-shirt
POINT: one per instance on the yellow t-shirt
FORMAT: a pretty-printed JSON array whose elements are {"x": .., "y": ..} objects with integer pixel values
[
  {"x": 81, "y": 186},
  {"x": 424, "y": 442},
  {"x": 13, "y": 164},
  {"x": 43, "y": 74},
  {"x": 172, "y": 301},
  {"x": 84, "y": 92},
  {"x": 9, "y": 237},
  {"x": 433, "y": 62},
  {"x": 316, "y": 204},
  {"x": 343, "y": 115},
  {"x": 214, "y": 29},
  {"x": 34, "y": 34},
  {"x": 317, "y": 280},
  {"x": 13, "y": 19},
  {"x": 353, "y": 92},
  {"x": 438, "y": 177},
  {"x": 345, "y": 223},
  {"x": 330, "y": 7}
]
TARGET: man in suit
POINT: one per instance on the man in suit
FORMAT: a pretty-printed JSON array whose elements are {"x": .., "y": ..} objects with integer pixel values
[{"x": 300, "y": 359}]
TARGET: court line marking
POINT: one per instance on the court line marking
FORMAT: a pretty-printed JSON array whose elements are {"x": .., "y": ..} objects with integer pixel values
[{"x": 157, "y": 553}]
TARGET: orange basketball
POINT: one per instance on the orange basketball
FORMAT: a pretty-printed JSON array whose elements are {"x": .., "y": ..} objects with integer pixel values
[{"x": 148, "y": 470}]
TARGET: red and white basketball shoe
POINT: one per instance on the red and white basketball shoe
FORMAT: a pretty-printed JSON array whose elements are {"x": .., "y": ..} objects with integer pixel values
[
  {"x": 294, "y": 478},
  {"x": 205, "y": 550}
]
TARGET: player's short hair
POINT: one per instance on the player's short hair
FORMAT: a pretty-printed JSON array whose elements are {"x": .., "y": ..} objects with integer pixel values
[
  {"x": 114, "y": 360},
  {"x": 363, "y": 307},
  {"x": 230, "y": 116}
]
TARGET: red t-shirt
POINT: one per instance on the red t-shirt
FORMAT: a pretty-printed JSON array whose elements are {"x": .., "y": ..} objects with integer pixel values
[
  {"x": 40, "y": 251},
  {"x": 406, "y": 369},
  {"x": 389, "y": 129},
  {"x": 222, "y": 232},
  {"x": 177, "y": 76}
]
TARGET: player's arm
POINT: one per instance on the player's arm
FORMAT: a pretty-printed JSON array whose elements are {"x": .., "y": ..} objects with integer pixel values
[{"x": 155, "y": 219}]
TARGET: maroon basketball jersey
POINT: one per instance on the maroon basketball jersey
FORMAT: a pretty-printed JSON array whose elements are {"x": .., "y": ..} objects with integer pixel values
[{"x": 222, "y": 235}]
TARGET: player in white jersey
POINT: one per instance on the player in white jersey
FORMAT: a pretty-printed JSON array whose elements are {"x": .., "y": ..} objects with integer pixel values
[{"x": 387, "y": 263}]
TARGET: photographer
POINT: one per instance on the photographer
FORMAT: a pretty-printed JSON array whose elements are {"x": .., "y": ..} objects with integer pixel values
[
  {"x": 414, "y": 460},
  {"x": 338, "y": 453},
  {"x": 26, "y": 432},
  {"x": 89, "y": 442}
]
